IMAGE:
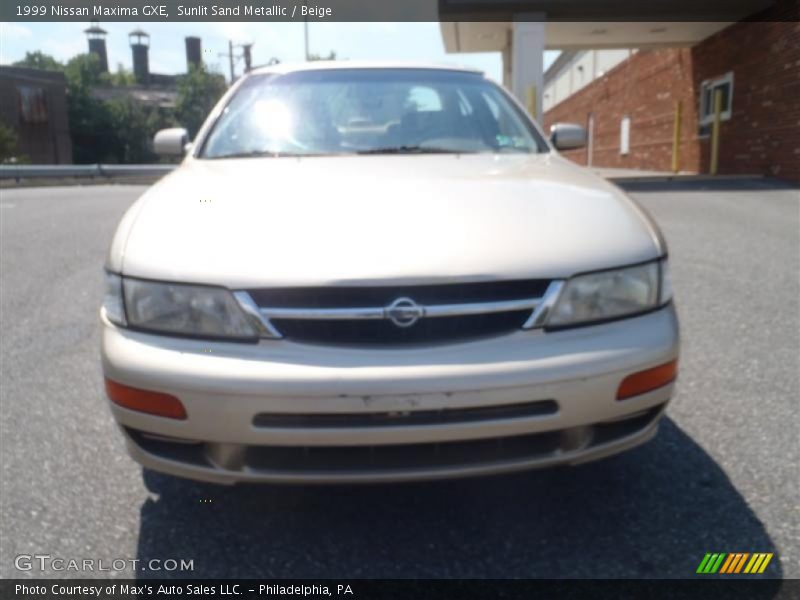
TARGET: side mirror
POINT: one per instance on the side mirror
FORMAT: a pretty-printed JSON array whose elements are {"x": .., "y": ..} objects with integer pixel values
[
  {"x": 567, "y": 136},
  {"x": 171, "y": 142}
]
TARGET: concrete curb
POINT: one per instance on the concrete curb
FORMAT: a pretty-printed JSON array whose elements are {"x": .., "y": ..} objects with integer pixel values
[{"x": 682, "y": 178}]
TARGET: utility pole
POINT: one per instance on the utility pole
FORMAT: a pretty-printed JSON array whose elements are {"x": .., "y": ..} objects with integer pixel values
[
  {"x": 305, "y": 35},
  {"x": 248, "y": 57},
  {"x": 233, "y": 58},
  {"x": 230, "y": 57}
]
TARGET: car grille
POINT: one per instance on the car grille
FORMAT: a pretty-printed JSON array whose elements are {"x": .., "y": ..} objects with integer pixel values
[
  {"x": 447, "y": 416},
  {"x": 446, "y": 329},
  {"x": 398, "y": 315},
  {"x": 402, "y": 456},
  {"x": 331, "y": 460}
]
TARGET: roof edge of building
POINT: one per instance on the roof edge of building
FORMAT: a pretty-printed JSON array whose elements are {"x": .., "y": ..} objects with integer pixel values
[{"x": 559, "y": 63}]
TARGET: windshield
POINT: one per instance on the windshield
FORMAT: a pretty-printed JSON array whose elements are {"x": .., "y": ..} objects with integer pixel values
[{"x": 369, "y": 111}]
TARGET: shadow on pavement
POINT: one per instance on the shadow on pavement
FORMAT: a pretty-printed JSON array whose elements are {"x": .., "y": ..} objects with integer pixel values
[
  {"x": 702, "y": 184},
  {"x": 653, "y": 512}
]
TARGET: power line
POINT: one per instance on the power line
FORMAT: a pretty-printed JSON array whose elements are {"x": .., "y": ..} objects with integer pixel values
[{"x": 233, "y": 58}]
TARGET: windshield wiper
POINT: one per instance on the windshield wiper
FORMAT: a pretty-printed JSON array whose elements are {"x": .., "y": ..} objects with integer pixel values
[
  {"x": 386, "y": 150},
  {"x": 411, "y": 150}
]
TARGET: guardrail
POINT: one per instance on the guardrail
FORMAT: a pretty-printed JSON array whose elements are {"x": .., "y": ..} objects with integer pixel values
[{"x": 39, "y": 171}]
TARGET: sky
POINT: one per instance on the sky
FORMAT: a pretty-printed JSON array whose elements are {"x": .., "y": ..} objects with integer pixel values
[{"x": 357, "y": 41}]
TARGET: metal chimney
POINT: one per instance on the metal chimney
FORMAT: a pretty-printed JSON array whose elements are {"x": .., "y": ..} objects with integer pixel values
[
  {"x": 97, "y": 44},
  {"x": 140, "y": 46},
  {"x": 194, "y": 53}
]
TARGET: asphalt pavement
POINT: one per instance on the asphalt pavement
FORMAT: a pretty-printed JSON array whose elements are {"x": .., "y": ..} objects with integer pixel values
[{"x": 721, "y": 476}]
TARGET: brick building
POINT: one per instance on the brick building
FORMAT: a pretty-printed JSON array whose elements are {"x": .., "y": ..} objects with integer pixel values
[
  {"x": 635, "y": 59},
  {"x": 630, "y": 110},
  {"x": 33, "y": 103}
]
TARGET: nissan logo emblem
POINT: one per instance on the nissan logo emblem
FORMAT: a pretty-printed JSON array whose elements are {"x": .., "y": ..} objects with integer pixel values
[{"x": 404, "y": 312}]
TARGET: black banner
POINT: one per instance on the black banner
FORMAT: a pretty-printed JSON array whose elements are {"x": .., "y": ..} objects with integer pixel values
[
  {"x": 733, "y": 588},
  {"x": 396, "y": 10}
]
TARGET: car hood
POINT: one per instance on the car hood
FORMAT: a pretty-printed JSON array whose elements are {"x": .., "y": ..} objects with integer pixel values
[{"x": 356, "y": 220}]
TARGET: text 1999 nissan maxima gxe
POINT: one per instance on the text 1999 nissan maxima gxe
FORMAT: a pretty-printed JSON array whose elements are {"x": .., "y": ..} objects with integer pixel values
[{"x": 375, "y": 273}]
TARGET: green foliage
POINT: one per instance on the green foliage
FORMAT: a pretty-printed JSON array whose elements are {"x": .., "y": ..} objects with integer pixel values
[
  {"x": 119, "y": 130},
  {"x": 39, "y": 60},
  {"x": 113, "y": 131},
  {"x": 123, "y": 77},
  {"x": 92, "y": 129},
  {"x": 8, "y": 143},
  {"x": 83, "y": 72},
  {"x": 198, "y": 92},
  {"x": 90, "y": 121},
  {"x": 135, "y": 125}
]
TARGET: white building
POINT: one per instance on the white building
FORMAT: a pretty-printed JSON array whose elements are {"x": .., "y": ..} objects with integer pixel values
[
  {"x": 573, "y": 70},
  {"x": 523, "y": 40}
]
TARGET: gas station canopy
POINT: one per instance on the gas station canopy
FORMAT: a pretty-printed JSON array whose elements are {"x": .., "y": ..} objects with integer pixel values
[{"x": 522, "y": 30}]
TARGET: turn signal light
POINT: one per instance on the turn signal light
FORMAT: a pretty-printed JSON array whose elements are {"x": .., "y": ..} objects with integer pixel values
[
  {"x": 647, "y": 380},
  {"x": 153, "y": 403}
]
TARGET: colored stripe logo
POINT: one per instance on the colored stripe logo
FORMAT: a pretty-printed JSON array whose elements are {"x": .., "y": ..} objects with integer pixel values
[{"x": 734, "y": 562}]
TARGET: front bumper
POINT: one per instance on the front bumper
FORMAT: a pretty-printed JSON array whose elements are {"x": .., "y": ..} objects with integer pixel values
[{"x": 284, "y": 412}]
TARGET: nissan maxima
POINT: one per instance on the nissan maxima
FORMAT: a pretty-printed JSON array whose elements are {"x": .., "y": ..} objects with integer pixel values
[{"x": 367, "y": 273}]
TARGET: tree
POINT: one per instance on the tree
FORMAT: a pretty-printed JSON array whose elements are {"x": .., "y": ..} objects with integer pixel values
[
  {"x": 91, "y": 124},
  {"x": 129, "y": 120},
  {"x": 8, "y": 143},
  {"x": 83, "y": 72},
  {"x": 39, "y": 60},
  {"x": 135, "y": 125},
  {"x": 198, "y": 92},
  {"x": 123, "y": 77}
]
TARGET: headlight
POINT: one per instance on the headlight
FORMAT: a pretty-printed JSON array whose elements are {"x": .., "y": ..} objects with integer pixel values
[
  {"x": 193, "y": 310},
  {"x": 112, "y": 303},
  {"x": 611, "y": 294},
  {"x": 665, "y": 295}
]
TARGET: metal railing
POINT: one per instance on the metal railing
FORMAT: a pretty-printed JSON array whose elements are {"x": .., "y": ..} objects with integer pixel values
[{"x": 39, "y": 171}]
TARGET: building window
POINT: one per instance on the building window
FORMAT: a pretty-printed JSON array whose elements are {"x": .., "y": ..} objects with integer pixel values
[
  {"x": 32, "y": 105},
  {"x": 707, "y": 90}
]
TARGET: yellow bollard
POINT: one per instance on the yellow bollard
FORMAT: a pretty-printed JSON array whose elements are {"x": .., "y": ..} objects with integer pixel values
[
  {"x": 531, "y": 101},
  {"x": 676, "y": 138},
  {"x": 715, "y": 132}
]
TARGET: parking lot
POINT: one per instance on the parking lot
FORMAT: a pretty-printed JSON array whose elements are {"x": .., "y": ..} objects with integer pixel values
[{"x": 721, "y": 476}]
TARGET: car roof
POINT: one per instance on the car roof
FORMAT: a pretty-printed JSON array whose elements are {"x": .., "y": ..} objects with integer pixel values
[{"x": 325, "y": 65}]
